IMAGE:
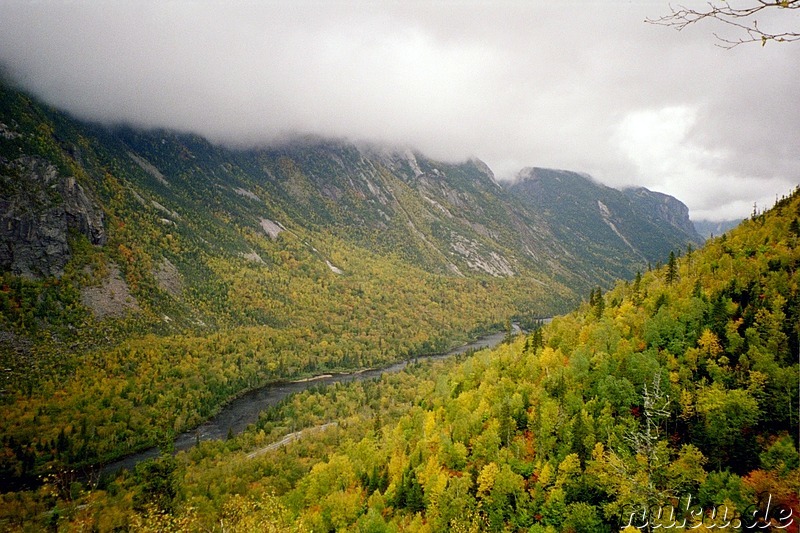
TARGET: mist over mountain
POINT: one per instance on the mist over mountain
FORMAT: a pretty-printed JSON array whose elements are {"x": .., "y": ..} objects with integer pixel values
[
  {"x": 708, "y": 228},
  {"x": 447, "y": 218},
  {"x": 149, "y": 277},
  {"x": 515, "y": 85},
  {"x": 269, "y": 263}
]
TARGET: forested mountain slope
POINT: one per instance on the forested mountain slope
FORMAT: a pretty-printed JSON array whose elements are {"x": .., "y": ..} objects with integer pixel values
[
  {"x": 148, "y": 277},
  {"x": 675, "y": 393},
  {"x": 607, "y": 232},
  {"x": 452, "y": 219}
]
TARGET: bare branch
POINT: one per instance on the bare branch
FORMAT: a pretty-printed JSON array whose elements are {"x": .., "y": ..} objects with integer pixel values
[{"x": 741, "y": 18}]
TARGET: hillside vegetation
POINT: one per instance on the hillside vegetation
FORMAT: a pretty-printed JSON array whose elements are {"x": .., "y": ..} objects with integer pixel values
[
  {"x": 148, "y": 329},
  {"x": 149, "y": 277},
  {"x": 682, "y": 384},
  {"x": 677, "y": 392}
]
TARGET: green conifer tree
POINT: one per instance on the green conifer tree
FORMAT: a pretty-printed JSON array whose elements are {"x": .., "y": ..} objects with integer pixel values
[{"x": 672, "y": 269}]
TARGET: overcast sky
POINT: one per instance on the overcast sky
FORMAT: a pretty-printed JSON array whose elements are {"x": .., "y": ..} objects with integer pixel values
[{"x": 584, "y": 86}]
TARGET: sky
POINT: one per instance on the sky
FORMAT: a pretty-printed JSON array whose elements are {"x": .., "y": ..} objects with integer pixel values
[{"x": 577, "y": 85}]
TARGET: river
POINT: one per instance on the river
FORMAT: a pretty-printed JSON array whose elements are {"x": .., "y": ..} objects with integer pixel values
[{"x": 235, "y": 416}]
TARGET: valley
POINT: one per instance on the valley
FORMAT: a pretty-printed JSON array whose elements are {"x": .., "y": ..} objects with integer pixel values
[
  {"x": 234, "y": 417},
  {"x": 255, "y": 309}
]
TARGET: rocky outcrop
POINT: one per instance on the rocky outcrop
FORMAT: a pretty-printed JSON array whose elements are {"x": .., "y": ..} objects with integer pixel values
[
  {"x": 38, "y": 209},
  {"x": 662, "y": 208},
  {"x": 605, "y": 230},
  {"x": 487, "y": 261},
  {"x": 111, "y": 298},
  {"x": 168, "y": 277}
]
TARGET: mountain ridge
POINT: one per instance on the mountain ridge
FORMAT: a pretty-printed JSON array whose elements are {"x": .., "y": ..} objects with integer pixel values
[
  {"x": 219, "y": 270},
  {"x": 188, "y": 196},
  {"x": 624, "y": 228}
]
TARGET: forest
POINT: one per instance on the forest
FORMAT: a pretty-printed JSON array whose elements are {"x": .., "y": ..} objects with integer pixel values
[
  {"x": 246, "y": 251},
  {"x": 674, "y": 390},
  {"x": 210, "y": 306},
  {"x": 668, "y": 401}
]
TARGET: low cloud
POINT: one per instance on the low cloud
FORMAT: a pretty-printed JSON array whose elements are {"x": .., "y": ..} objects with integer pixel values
[
  {"x": 580, "y": 86},
  {"x": 660, "y": 144}
]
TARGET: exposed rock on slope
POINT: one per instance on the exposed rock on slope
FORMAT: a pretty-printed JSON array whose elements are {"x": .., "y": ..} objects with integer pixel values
[
  {"x": 168, "y": 277},
  {"x": 603, "y": 229},
  {"x": 38, "y": 209},
  {"x": 111, "y": 298},
  {"x": 659, "y": 207}
]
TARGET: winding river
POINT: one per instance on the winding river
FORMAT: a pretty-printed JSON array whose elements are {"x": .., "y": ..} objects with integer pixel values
[{"x": 236, "y": 415}]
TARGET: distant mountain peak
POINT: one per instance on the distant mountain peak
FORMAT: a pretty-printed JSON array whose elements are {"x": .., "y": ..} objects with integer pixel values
[
  {"x": 542, "y": 173},
  {"x": 660, "y": 206},
  {"x": 594, "y": 222},
  {"x": 451, "y": 218}
]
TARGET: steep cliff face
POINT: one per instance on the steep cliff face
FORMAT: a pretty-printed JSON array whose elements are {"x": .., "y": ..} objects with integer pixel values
[
  {"x": 184, "y": 194},
  {"x": 602, "y": 229},
  {"x": 660, "y": 208},
  {"x": 38, "y": 210}
]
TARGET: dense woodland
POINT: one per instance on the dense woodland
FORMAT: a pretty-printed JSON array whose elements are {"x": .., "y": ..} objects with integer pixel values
[
  {"x": 682, "y": 383},
  {"x": 243, "y": 308}
]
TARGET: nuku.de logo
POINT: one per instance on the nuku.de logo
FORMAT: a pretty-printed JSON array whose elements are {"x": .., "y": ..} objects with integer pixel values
[{"x": 757, "y": 516}]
